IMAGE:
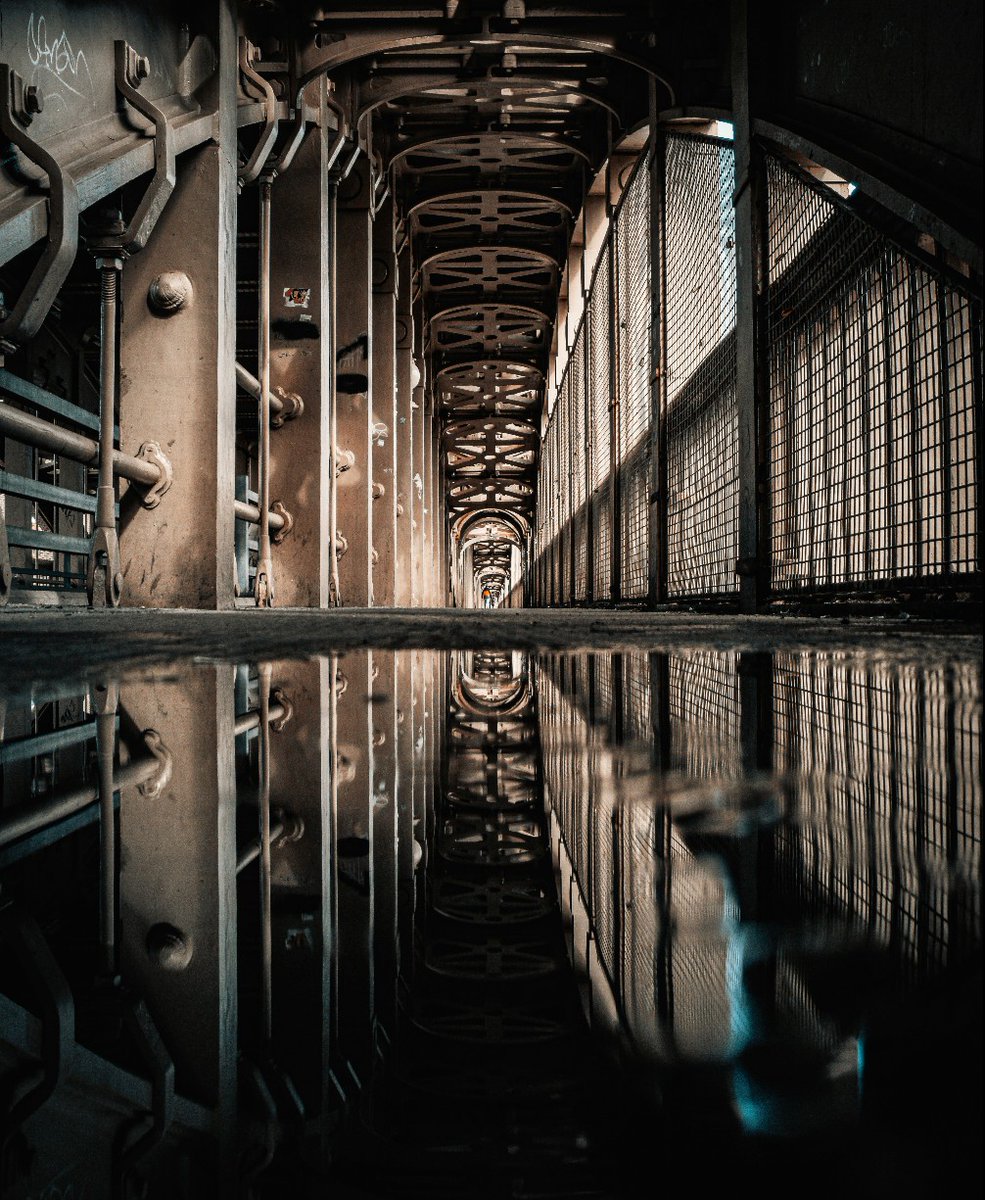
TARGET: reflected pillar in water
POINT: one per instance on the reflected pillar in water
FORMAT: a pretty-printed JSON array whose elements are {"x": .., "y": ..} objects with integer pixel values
[
  {"x": 178, "y": 869},
  {"x": 383, "y": 840},
  {"x": 354, "y": 1052},
  {"x": 301, "y": 879}
]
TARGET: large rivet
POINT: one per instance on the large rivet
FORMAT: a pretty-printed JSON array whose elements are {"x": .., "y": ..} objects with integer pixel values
[
  {"x": 168, "y": 947},
  {"x": 170, "y": 292}
]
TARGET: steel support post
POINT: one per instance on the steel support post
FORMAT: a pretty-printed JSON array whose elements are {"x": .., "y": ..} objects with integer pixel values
[
  {"x": 301, "y": 877},
  {"x": 178, "y": 383},
  {"x": 300, "y": 365},
  {"x": 752, "y": 353},
  {"x": 384, "y": 411},
  {"x": 353, "y": 363},
  {"x": 418, "y": 499},
  {"x": 615, "y": 418},
  {"x": 427, "y": 507},
  {"x": 178, "y": 888},
  {"x": 657, "y": 549},
  {"x": 403, "y": 556}
]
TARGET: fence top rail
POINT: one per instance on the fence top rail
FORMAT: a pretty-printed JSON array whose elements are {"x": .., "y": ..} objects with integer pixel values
[{"x": 970, "y": 286}]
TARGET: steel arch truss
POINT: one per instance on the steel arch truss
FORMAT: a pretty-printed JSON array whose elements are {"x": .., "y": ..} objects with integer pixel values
[
  {"x": 490, "y": 329},
  {"x": 497, "y": 387},
  {"x": 490, "y": 272},
  {"x": 503, "y": 447}
]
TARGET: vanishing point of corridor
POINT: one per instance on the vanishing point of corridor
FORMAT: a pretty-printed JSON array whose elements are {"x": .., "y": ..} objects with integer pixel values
[{"x": 490, "y": 599}]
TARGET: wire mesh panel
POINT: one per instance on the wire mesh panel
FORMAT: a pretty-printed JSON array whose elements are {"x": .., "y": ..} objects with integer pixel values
[
  {"x": 873, "y": 372},
  {"x": 600, "y": 400},
  {"x": 579, "y": 463},
  {"x": 632, "y": 233},
  {"x": 701, "y": 412},
  {"x": 562, "y": 415}
]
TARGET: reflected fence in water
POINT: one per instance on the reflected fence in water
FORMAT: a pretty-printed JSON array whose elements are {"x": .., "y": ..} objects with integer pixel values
[{"x": 364, "y": 918}]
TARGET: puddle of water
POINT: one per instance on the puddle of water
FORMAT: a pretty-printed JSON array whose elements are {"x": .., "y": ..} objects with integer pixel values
[{"x": 422, "y": 924}]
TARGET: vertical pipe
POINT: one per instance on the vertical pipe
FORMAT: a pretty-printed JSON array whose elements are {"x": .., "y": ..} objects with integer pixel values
[
  {"x": 104, "y": 577},
  {"x": 334, "y": 586},
  {"x": 264, "y": 587}
]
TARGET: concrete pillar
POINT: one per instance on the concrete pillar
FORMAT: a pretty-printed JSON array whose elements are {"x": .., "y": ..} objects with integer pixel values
[
  {"x": 403, "y": 556},
  {"x": 178, "y": 872},
  {"x": 353, "y": 362},
  {"x": 300, "y": 363},
  {"x": 384, "y": 412},
  {"x": 177, "y": 384}
]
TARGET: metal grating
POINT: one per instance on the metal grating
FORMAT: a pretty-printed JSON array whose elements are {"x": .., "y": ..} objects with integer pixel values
[
  {"x": 701, "y": 413},
  {"x": 579, "y": 463},
  {"x": 873, "y": 370},
  {"x": 632, "y": 234},
  {"x": 599, "y": 358}
]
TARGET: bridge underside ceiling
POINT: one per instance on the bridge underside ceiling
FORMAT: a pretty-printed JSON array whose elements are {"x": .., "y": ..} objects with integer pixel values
[{"x": 491, "y": 121}]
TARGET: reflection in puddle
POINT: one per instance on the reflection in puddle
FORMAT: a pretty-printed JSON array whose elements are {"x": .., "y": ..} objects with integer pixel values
[{"x": 476, "y": 924}]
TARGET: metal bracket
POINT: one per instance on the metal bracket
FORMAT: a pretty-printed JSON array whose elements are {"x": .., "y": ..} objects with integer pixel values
[
  {"x": 104, "y": 578},
  {"x": 293, "y": 407},
  {"x": 345, "y": 460},
  {"x": 278, "y": 696},
  {"x": 17, "y": 105},
  {"x": 153, "y": 787},
  {"x": 151, "y": 452},
  {"x": 131, "y": 69},
  {"x": 293, "y": 827},
  {"x": 248, "y": 54},
  {"x": 278, "y": 508}
]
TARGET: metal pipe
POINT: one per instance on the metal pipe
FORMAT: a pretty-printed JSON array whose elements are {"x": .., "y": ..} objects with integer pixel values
[
  {"x": 251, "y": 719},
  {"x": 104, "y": 578},
  {"x": 33, "y": 431},
  {"x": 251, "y": 851},
  {"x": 25, "y": 819},
  {"x": 263, "y": 587},
  {"x": 251, "y": 385},
  {"x": 250, "y": 513}
]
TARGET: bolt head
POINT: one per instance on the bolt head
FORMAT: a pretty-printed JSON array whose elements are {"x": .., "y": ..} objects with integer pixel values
[
  {"x": 142, "y": 67},
  {"x": 33, "y": 99},
  {"x": 169, "y": 293},
  {"x": 168, "y": 947}
]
